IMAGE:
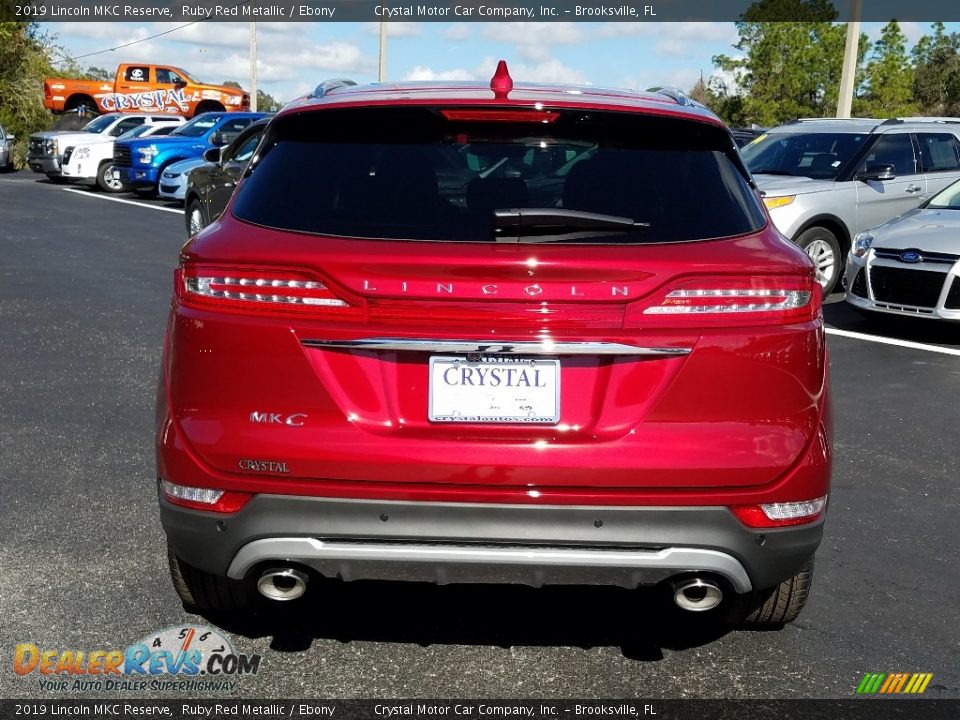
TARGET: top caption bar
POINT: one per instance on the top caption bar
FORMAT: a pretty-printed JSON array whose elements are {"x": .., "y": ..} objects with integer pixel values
[{"x": 465, "y": 11}]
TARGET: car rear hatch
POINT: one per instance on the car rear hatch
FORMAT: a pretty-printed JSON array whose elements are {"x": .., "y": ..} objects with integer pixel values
[{"x": 537, "y": 298}]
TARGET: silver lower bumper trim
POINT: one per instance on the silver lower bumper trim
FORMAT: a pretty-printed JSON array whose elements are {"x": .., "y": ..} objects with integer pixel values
[
  {"x": 487, "y": 347},
  {"x": 525, "y": 565}
]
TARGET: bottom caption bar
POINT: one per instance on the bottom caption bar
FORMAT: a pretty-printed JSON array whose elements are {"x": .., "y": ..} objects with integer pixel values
[{"x": 858, "y": 709}]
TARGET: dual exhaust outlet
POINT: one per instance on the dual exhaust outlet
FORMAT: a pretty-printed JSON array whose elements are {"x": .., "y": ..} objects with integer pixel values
[{"x": 284, "y": 584}]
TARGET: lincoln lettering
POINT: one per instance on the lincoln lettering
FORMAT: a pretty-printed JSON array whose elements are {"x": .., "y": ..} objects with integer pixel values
[{"x": 493, "y": 377}]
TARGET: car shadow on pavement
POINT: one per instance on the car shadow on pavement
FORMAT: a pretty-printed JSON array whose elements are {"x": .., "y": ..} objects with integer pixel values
[{"x": 641, "y": 623}]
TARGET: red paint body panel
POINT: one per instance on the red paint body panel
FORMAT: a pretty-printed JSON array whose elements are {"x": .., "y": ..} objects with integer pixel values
[{"x": 742, "y": 419}]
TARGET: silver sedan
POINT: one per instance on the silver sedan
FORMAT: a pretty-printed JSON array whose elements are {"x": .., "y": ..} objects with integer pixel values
[
  {"x": 173, "y": 182},
  {"x": 910, "y": 265}
]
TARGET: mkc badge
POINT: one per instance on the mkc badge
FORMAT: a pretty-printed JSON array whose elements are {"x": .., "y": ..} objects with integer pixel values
[{"x": 265, "y": 418}]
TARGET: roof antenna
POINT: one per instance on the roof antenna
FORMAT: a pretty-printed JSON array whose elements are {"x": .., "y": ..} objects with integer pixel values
[{"x": 501, "y": 83}]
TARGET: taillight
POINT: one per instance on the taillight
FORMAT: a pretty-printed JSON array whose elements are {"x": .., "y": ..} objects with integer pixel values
[
  {"x": 258, "y": 290},
  {"x": 733, "y": 301},
  {"x": 771, "y": 515},
  {"x": 209, "y": 499}
]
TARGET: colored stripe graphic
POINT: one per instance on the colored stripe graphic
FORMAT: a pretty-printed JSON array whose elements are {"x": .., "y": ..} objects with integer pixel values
[{"x": 894, "y": 683}]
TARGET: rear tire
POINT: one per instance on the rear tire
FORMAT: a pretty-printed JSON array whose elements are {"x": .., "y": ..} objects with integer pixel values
[
  {"x": 207, "y": 593},
  {"x": 88, "y": 105},
  {"x": 774, "y": 608},
  {"x": 824, "y": 249},
  {"x": 194, "y": 217}
]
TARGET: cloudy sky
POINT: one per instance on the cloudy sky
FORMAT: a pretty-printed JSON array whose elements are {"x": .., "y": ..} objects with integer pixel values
[{"x": 295, "y": 57}]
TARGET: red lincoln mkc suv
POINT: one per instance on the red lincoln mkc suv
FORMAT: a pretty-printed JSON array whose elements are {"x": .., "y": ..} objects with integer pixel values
[{"x": 471, "y": 332}]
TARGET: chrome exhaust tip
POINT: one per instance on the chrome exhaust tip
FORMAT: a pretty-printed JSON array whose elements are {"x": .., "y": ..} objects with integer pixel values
[
  {"x": 282, "y": 584},
  {"x": 697, "y": 595}
]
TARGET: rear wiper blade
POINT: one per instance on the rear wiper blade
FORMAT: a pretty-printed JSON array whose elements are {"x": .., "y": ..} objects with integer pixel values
[{"x": 546, "y": 224}]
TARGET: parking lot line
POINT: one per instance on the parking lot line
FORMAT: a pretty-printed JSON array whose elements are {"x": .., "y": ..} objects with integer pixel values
[
  {"x": 121, "y": 200},
  {"x": 893, "y": 341}
]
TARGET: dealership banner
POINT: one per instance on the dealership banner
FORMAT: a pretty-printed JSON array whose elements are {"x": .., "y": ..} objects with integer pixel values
[
  {"x": 468, "y": 10},
  {"x": 64, "y": 709}
]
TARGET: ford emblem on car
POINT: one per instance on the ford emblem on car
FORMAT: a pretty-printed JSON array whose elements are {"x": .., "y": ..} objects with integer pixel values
[{"x": 910, "y": 256}]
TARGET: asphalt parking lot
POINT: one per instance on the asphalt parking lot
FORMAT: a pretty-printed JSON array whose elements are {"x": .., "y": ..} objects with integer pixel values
[{"x": 84, "y": 288}]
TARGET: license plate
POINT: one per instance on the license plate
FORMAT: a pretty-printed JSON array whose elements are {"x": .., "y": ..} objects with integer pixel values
[{"x": 496, "y": 389}]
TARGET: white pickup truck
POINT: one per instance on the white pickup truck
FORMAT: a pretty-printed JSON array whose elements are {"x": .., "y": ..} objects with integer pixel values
[{"x": 85, "y": 155}]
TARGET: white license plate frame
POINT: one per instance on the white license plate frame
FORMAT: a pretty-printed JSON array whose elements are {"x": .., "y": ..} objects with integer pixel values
[{"x": 541, "y": 404}]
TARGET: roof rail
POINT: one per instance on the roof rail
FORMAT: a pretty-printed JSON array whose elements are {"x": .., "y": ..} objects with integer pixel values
[
  {"x": 674, "y": 93},
  {"x": 328, "y": 86},
  {"x": 931, "y": 119}
]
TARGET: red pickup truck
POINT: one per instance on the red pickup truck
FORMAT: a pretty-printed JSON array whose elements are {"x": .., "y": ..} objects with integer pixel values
[{"x": 140, "y": 87}]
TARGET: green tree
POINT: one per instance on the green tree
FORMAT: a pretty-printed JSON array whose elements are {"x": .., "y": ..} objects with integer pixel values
[
  {"x": 702, "y": 93},
  {"x": 936, "y": 61},
  {"x": 266, "y": 102},
  {"x": 25, "y": 60},
  {"x": 99, "y": 73},
  {"x": 785, "y": 70},
  {"x": 889, "y": 77}
]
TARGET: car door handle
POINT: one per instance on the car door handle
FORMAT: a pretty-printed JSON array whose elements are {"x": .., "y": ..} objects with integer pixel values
[{"x": 913, "y": 188}]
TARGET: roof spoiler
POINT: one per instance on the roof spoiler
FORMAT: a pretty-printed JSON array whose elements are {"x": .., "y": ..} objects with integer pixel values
[{"x": 328, "y": 86}]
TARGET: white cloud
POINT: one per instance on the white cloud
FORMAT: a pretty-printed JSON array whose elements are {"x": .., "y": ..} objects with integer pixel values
[
  {"x": 395, "y": 29},
  {"x": 532, "y": 33},
  {"x": 457, "y": 31},
  {"x": 421, "y": 73},
  {"x": 548, "y": 71},
  {"x": 690, "y": 33}
]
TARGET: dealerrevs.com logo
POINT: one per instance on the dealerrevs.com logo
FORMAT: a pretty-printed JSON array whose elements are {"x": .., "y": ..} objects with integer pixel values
[{"x": 182, "y": 659}]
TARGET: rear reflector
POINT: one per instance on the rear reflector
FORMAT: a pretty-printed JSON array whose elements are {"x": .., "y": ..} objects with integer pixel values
[
  {"x": 781, "y": 514},
  {"x": 256, "y": 289},
  {"x": 222, "y": 501}
]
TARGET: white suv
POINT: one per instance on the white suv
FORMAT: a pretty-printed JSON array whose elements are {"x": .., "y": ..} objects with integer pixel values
[{"x": 826, "y": 180}]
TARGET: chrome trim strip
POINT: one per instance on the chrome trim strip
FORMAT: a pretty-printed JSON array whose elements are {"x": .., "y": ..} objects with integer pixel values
[
  {"x": 486, "y": 347},
  {"x": 530, "y": 565}
]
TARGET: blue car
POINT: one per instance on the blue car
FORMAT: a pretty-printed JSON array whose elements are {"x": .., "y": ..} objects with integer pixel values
[{"x": 140, "y": 162}]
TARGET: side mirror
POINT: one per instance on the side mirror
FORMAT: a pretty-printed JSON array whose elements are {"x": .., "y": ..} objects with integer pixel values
[
  {"x": 212, "y": 155},
  {"x": 223, "y": 138},
  {"x": 180, "y": 84},
  {"x": 11, "y": 138},
  {"x": 878, "y": 172}
]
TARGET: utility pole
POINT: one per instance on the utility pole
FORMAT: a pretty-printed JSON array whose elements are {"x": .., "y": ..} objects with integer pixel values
[
  {"x": 382, "y": 73},
  {"x": 848, "y": 76},
  {"x": 253, "y": 67}
]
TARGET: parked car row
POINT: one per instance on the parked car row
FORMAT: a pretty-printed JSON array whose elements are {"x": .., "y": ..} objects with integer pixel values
[
  {"x": 153, "y": 154},
  {"x": 825, "y": 180}
]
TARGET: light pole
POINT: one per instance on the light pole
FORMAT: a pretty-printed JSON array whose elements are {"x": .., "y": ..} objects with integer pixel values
[
  {"x": 848, "y": 76},
  {"x": 382, "y": 73},
  {"x": 253, "y": 67}
]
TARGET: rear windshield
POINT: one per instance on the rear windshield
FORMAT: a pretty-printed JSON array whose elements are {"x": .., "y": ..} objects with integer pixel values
[
  {"x": 411, "y": 173},
  {"x": 819, "y": 156}
]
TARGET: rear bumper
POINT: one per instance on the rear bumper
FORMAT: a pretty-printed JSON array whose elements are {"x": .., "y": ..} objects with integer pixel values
[{"x": 480, "y": 542}]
